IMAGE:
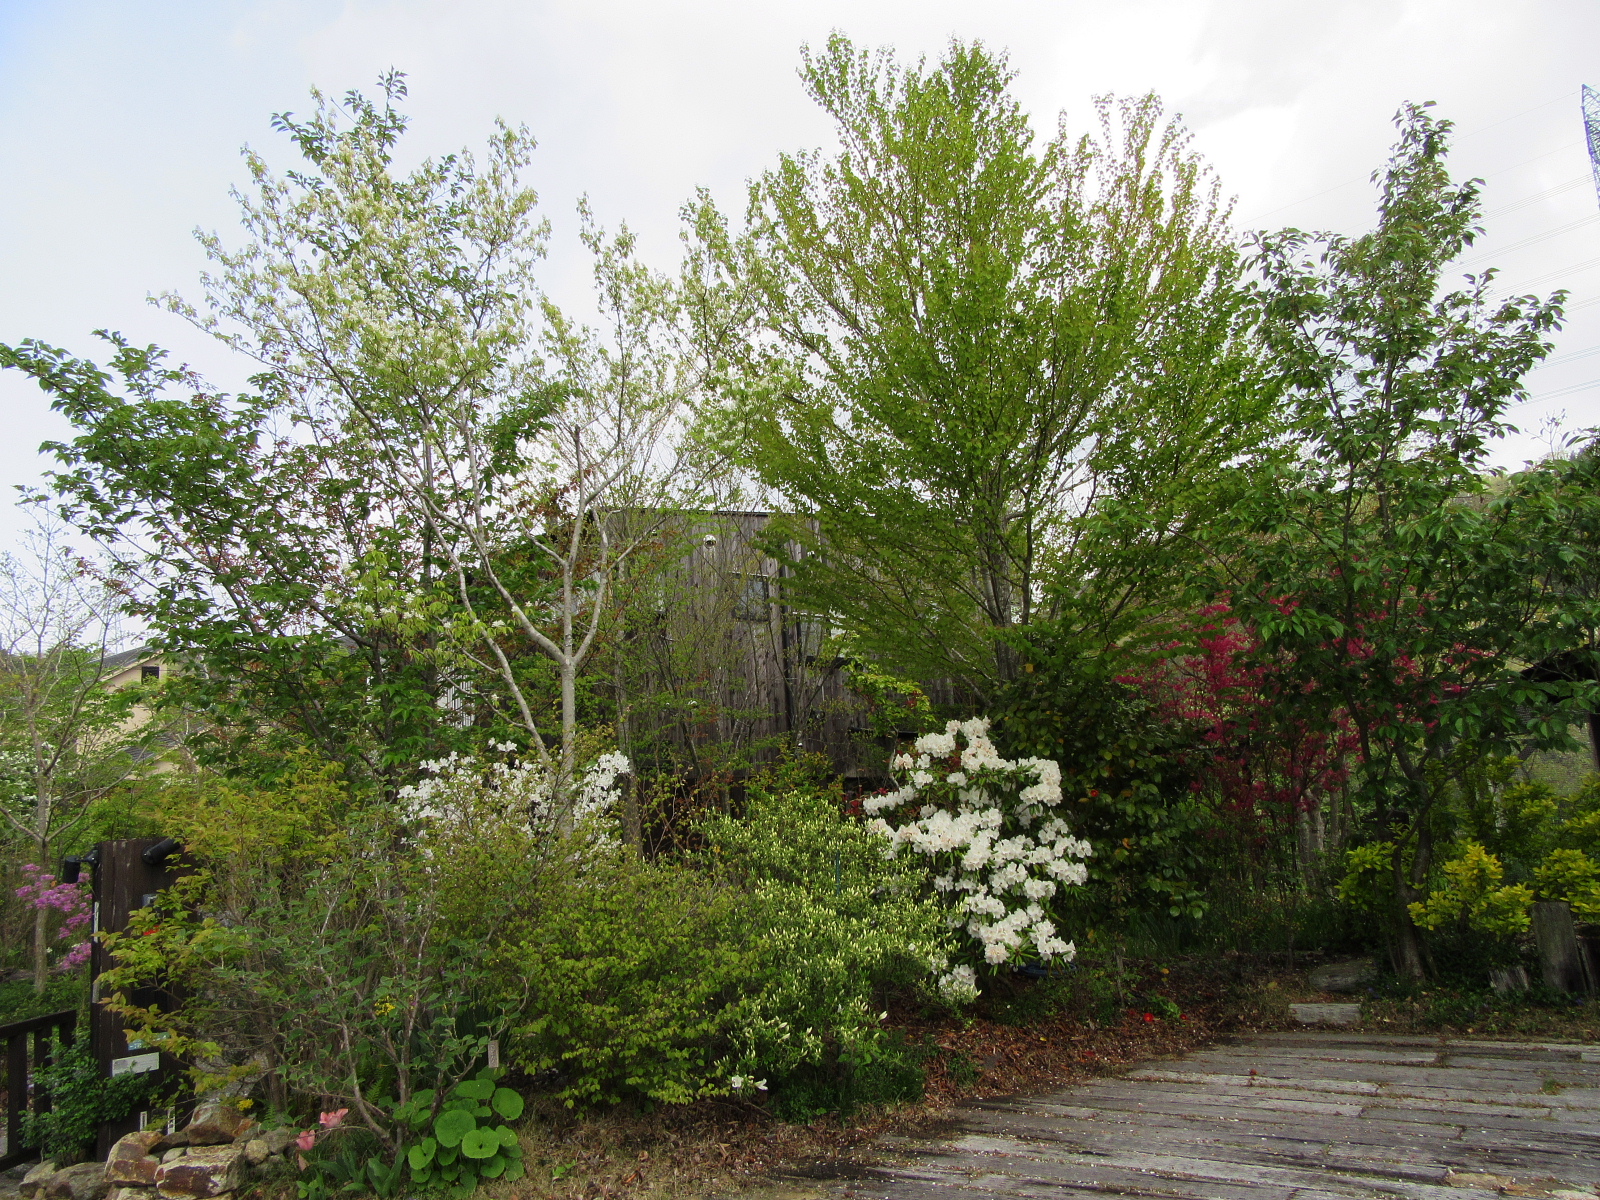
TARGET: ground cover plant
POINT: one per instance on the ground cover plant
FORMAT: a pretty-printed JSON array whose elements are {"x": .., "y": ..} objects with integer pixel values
[{"x": 1140, "y": 624}]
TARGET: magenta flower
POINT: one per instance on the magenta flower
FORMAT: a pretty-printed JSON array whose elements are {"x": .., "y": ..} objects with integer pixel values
[{"x": 71, "y": 900}]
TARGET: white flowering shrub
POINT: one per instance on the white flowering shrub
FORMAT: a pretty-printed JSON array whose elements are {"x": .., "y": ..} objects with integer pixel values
[
  {"x": 463, "y": 787},
  {"x": 989, "y": 830}
]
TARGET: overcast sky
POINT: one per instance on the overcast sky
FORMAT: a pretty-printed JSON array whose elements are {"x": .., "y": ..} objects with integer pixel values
[{"x": 121, "y": 123}]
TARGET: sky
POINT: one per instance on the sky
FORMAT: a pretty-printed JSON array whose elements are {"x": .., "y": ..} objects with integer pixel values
[{"x": 121, "y": 125}]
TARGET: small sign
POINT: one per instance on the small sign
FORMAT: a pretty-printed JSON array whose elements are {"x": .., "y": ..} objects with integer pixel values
[
  {"x": 135, "y": 1064},
  {"x": 494, "y": 1055}
]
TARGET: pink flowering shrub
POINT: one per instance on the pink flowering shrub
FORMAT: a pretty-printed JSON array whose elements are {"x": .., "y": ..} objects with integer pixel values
[{"x": 71, "y": 900}]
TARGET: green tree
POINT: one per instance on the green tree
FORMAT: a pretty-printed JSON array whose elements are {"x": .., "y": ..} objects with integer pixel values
[
  {"x": 441, "y": 474},
  {"x": 66, "y": 739},
  {"x": 1386, "y": 579},
  {"x": 398, "y": 321},
  {"x": 951, "y": 342},
  {"x": 271, "y": 567}
]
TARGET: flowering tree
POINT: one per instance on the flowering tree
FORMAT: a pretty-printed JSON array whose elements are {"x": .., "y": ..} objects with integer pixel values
[
  {"x": 1370, "y": 551},
  {"x": 70, "y": 901},
  {"x": 65, "y": 738},
  {"x": 1266, "y": 760},
  {"x": 987, "y": 827}
]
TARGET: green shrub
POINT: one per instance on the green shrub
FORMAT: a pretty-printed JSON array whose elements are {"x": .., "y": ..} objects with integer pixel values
[
  {"x": 634, "y": 974},
  {"x": 81, "y": 1100},
  {"x": 465, "y": 1139},
  {"x": 838, "y": 927}
]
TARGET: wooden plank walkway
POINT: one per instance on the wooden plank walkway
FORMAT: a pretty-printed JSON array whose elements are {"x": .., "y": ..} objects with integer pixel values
[{"x": 1290, "y": 1116}]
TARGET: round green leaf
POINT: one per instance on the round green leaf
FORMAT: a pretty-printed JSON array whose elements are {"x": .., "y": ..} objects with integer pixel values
[
  {"x": 493, "y": 1168},
  {"x": 452, "y": 1126},
  {"x": 420, "y": 1155},
  {"x": 507, "y": 1103},
  {"x": 475, "y": 1089},
  {"x": 480, "y": 1143},
  {"x": 508, "y": 1136}
]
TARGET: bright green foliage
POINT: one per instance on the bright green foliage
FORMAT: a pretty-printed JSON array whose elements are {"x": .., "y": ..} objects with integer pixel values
[
  {"x": 769, "y": 970},
  {"x": 1367, "y": 884},
  {"x": 837, "y": 927},
  {"x": 1473, "y": 895},
  {"x": 895, "y": 706},
  {"x": 1573, "y": 876},
  {"x": 633, "y": 975},
  {"x": 464, "y": 1135},
  {"x": 946, "y": 343}
]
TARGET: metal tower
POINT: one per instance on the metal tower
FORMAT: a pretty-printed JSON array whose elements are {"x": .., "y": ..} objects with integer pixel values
[{"x": 1591, "y": 127}]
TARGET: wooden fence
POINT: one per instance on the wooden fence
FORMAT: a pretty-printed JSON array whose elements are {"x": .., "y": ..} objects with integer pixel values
[{"x": 30, "y": 1044}]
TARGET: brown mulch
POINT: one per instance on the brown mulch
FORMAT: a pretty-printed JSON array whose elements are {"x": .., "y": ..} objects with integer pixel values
[{"x": 717, "y": 1148}]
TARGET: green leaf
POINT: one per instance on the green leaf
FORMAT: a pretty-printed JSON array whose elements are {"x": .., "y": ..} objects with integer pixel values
[
  {"x": 452, "y": 1126},
  {"x": 420, "y": 1155},
  {"x": 507, "y": 1104},
  {"x": 480, "y": 1143},
  {"x": 474, "y": 1089}
]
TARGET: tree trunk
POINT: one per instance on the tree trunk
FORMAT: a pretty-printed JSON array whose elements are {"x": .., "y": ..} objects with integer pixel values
[
  {"x": 632, "y": 826},
  {"x": 41, "y": 949},
  {"x": 1405, "y": 939}
]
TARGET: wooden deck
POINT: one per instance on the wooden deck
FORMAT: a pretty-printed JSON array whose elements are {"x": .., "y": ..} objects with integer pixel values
[{"x": 1294, "y": 1116}]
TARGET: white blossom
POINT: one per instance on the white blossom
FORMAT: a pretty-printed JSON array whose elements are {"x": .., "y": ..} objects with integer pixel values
[{"x": 988, "y": 824}]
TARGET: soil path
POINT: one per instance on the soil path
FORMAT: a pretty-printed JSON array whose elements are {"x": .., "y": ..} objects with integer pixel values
[{"x": 1287, "y": 1116}]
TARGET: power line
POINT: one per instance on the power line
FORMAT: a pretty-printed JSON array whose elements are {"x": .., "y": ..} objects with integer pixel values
[
  {"x": 1574, "y": 269},
  {"x": 1460, "y": 137},
  {"x": 1533, "y": 240},
  {"x": 1566, "y": 358},
  {"x": 1575, "y": 181}
]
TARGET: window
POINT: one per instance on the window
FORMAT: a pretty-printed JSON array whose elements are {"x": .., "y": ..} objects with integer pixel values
[
  {"x": 148, "y": 673},
  {"x": 753, "y": 600}
]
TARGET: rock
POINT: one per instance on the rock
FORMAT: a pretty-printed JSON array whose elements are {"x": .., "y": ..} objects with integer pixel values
[
  {"x": 256, "y": 1152},
  {"x": 130, "y": 1193},
  {"x": 33, "y": 1183},
  {"x": 204, "y": 1172},
  {"x": 1326, "y": 1014},
  {"x": 215, "y": 1122},
  {"x": 86, "y": 1181},
  {"x": 278, "y": 1140},
  {"x": 130, "y": 1162},
  {"x": 1344, "y": 977},
  {"x": 175, "y": 1153}
]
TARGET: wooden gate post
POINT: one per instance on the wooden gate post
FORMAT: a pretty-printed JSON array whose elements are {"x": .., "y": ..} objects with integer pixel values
[
  {"x": 1561, "y": 958},
  {"x": 127, "y": 876}
]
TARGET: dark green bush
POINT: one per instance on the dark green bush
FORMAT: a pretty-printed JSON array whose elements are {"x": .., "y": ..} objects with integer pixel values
[{"x": 81, "y": 1100}]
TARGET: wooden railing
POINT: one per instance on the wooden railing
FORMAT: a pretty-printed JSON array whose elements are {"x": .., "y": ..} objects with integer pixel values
[{"x": 30, "y": 1044}]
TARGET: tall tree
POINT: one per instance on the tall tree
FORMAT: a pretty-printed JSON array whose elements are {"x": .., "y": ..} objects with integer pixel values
[
  {"x": 1384, "y": 576},
  {"x": 470, "y": 466},
  {"x": 951, "y": 343}
]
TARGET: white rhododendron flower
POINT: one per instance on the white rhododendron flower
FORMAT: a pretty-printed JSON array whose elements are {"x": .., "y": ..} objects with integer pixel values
[
  {"x": 989, "y": 829},
  {"x": 959, "y": 985}
]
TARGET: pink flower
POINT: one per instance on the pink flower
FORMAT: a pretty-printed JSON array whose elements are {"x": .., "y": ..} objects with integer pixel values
[
  {"x": 332, "y": 1120},
  {"x": 306, "y": 1140}
]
